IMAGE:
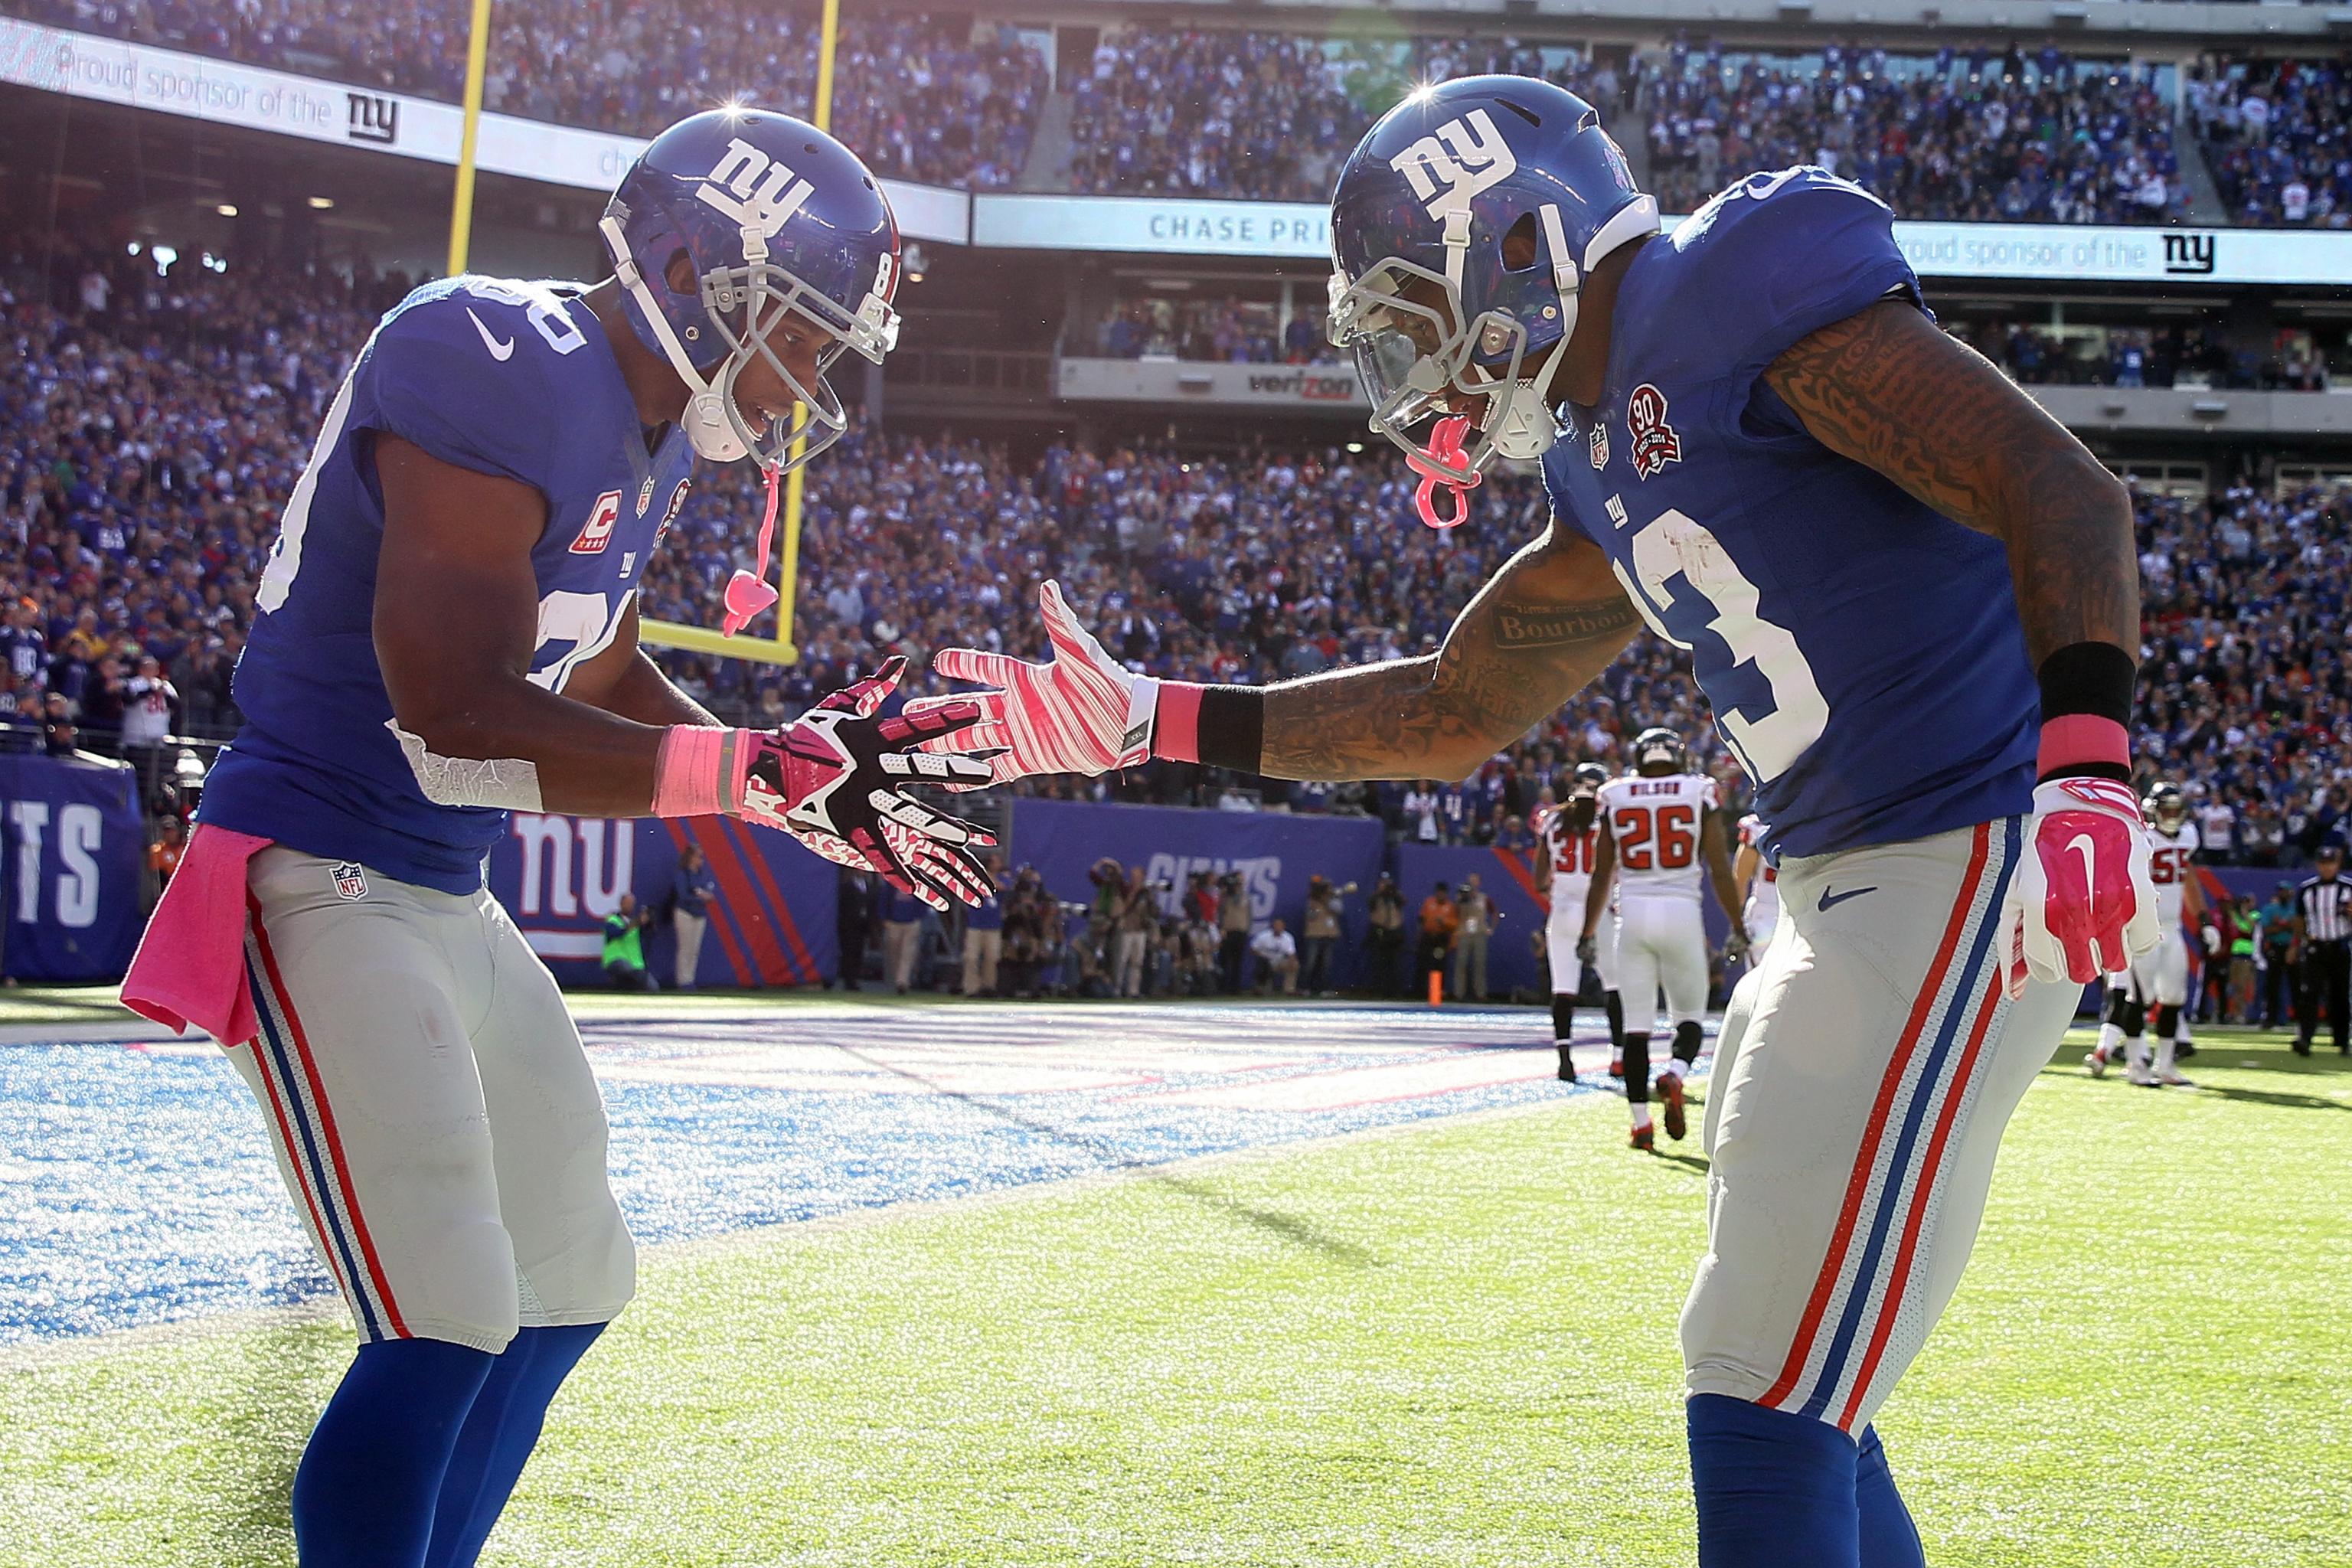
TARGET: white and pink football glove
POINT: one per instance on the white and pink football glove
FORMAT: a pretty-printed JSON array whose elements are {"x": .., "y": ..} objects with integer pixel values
[
  {"x": 2083, "y": 900},
  {"x": 835, "y": 780},
  {"x": 1083, "y": 712}
]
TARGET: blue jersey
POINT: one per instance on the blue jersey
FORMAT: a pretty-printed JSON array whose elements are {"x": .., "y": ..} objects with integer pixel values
[
  {"x": 516, "y": 380},
  {"x": 1862, "y": 652}
]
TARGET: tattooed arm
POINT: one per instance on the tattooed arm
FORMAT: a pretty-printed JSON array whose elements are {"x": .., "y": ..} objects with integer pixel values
[
  {"x": 1888, "y": 389},
  {"x": 1550, "y": 620}
]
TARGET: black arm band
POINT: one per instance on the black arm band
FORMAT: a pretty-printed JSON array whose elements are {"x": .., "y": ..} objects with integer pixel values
[
  {"x": 1232, "y": 727},
  {"x": 2094, "y": 677}
]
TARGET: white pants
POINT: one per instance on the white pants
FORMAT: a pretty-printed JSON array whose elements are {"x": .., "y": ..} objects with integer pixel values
[
  {"x": 1127, "y": 961},
  {"x": 691, "y": 931},
  {"x": 433, "y": 1112},
  {"x": 1661, "y": 941},
  {"x": 2159, "y": 977},
  {"x": 1561, "y": 929},
  {"x": 1861, "y": 1088}
]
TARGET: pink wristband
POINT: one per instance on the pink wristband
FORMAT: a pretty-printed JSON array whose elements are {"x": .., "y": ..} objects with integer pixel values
[
  {"x": 1176, "y": 730},
  {"x": 2073, "y": 740},
  {"x": 694, "y": 775}
]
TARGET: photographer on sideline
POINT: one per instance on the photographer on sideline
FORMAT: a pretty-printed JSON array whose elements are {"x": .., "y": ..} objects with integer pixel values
[
  {"x": 1278, "y": 958},
  {"x": 1132, "y": 923},
  {"x": 1387, "y": 920},
  {"x": 1233, "y": 922},
  {"x": 1321, "y": 934}
]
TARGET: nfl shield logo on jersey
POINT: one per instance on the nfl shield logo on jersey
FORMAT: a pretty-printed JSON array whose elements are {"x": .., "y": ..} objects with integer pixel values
[
  {"x": 1654, "y": 442},
  {"x": 350, "y": 882},
  {"x": 1600, "y": 445}
]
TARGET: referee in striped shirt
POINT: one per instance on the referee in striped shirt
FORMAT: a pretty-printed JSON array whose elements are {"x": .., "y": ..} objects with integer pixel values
[{"x": 2322, "y": 942}]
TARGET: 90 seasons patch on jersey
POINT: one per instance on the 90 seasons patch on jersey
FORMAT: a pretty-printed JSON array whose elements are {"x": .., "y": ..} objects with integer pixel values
[{"x": 1654, "y": 442}]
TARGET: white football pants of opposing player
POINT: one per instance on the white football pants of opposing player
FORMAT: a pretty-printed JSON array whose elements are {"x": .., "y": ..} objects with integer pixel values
[{"x": 1661, "y": 943}]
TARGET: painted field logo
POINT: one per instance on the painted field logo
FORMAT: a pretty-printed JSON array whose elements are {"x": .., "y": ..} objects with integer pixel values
[
  {"x": 1654, "y": 442},
  {"x": 350, "y": 882},
  {"x": 597, "y": 531}
]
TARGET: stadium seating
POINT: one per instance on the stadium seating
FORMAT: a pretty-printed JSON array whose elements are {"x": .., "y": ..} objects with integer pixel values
[
  {"x": 914, "y": 95},
  {"x": 149, "y": 436}
]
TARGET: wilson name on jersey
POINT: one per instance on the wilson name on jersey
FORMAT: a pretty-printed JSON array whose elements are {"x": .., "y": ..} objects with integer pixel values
[
  {"x": 1655, "y": 826},
  {"x": 2169, "y": 867},
  {"x": 511, "y": 379},
  {"x": 1861, "y": 652}
]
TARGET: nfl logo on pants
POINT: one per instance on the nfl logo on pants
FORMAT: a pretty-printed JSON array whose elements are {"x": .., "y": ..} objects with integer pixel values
[{"x": 350, "y": 882}]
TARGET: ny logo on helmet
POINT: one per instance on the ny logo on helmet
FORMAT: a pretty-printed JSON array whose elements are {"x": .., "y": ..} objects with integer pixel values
[
  {"x": 753, "y": 189},
  {"x": 1463, "y": 157}
]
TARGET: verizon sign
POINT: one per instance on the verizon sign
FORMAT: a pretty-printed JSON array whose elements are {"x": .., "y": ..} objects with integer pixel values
[{"x": 1332, "y": 387}]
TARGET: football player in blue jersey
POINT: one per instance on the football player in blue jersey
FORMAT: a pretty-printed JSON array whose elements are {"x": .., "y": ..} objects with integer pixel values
[
  {"x": 1911, "y": 599},
  {"x": 448, "y": 632}
]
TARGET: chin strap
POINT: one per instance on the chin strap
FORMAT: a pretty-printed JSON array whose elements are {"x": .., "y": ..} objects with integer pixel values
[
  {"x": 1445, "y": 446},
  {"x": 749, "y": 592}
]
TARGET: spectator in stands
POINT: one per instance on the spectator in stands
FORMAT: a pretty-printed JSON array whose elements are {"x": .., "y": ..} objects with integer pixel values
[
  {"x": 625, "y": 946},
  {"x": 1439, "y": 921},
  {"x": 692, "y": 894},
  {"x": 1276, "y": 953}
]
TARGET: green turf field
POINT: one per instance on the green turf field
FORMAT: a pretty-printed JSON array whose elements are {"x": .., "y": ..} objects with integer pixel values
[{"x": 1450, "y": 1345}]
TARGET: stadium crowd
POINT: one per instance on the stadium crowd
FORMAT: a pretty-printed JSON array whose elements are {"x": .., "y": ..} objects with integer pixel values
[
  {"x": 150, "y": 428},
  {"x": 1996, "y": 137},
  {"x": 1231, "y": 329},
  {"x": 2275, "y": 134},
  {"x": 918, "y": 97},
  {"x": 2044, "y": 136}
]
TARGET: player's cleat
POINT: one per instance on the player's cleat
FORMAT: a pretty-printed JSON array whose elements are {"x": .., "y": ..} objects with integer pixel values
[
  {"x": 1567, "y": 1067},
  {"x": 2174, "y": 1080},
  {"x": 1670, "y": 1089},
  {"x": 2185, "y": 1049},
  {"x": 2144, "y": 1076},
  {"x": 1617, "y": 1063},
  {"x": 1645, "y": 1138},
  {"x": 2097, "y": 1062}
]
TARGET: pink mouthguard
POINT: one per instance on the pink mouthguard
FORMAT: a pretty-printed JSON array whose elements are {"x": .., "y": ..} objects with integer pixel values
[
  {"x": 1445, "y": 446},
  {"x": 749, "y": 592}
]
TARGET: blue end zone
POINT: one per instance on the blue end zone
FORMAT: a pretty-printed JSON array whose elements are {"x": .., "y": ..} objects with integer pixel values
[{"x": 136, "y": 1185}]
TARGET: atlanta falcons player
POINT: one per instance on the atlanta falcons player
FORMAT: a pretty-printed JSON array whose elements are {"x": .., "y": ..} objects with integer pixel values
[
  {"x": 2159, "y": 979},
  {"x": 1568, "y": 836},
  {"x": 1912, "y": 601},
  {"x": 1659, "y": 828}
]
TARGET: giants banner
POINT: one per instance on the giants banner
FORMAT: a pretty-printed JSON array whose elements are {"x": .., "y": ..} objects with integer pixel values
[
  {"x": 71, "y": 844},
  {"x": 771, "y": 923},
  {"x": 1274, "y": 852}
]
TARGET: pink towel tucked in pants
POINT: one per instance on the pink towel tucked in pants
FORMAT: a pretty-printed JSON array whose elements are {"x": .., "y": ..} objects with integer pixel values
[{"x": 190, "y": 970}]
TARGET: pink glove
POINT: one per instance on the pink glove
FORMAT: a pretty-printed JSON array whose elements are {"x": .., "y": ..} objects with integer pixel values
[
  {"x": 836, "y": 781},
  {"x": 2082, "y": 901},
  {"x": 1082, "y": 713}
]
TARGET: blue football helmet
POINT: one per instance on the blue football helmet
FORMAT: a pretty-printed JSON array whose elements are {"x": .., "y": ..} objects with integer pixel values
[
  {"x": 1428, "y": 198},
  {"x": 773, "y": 216}
]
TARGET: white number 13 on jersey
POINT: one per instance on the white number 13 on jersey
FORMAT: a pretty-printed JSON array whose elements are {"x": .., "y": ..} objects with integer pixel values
[{"x": 1673, "y": 545}]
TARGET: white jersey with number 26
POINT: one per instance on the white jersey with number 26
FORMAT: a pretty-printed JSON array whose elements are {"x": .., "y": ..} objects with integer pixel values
[{"x": 1655, "y": 824}]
